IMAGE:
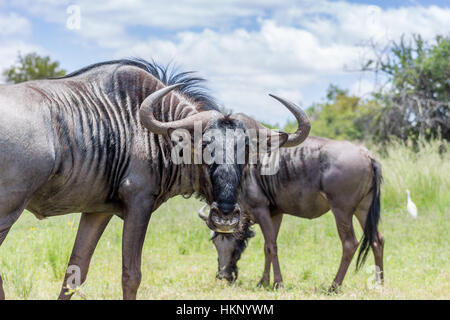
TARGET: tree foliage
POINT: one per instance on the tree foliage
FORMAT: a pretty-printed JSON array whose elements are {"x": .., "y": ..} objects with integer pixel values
[
  {"x": 33, "y": 67},
  {"x": 341, "y": 116},
  {"x": 416, "y": 103},
  {"x": 335, "y": 118}
]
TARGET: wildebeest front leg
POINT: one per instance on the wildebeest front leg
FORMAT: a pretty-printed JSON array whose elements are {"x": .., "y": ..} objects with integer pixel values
[
  {"x": 7, "y": 219},
  {"x": 137, "y": 216},
  {"x": 262, "y": 216},
  {"x": 265, "y": 279},
  {"x": 3, "y": 234},
  {"x": 89, "y": 232}
]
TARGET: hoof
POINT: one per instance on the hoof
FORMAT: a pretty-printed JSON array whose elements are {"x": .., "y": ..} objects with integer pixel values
[
  {"x": 278, "y": 285},
  {"x": 334, "y": 289},
  {"x": 263, "y": 283}
]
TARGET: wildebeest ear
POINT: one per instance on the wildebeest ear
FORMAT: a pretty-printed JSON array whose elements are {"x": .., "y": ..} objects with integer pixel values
[
  {"x": 251, "y": 233},
  {"x": 282, "y": 138}
]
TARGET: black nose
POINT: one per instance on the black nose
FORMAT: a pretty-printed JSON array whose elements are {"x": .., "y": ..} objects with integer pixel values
[{"x": 226, "y": 208}]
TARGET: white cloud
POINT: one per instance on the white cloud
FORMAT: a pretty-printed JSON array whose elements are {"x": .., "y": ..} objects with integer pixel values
[
  {"x": 14, "y": 30},
  {"x": 247, "y": 49},
  {"x": 173, "y": 15},
  {"x": 329, "y": 21},
  {"x": 243, "y": 67},
  {"x": 350, "y": 23},
  {"x": 13, "y": 24},
  {"x": 298, "y": 47}
]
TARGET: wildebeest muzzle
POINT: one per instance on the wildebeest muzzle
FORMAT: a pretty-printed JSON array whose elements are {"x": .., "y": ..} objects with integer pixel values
[{"x": 222, "y": 218}]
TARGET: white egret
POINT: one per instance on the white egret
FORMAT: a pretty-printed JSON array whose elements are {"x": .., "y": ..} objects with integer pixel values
[{"x": 411, "y": 207}]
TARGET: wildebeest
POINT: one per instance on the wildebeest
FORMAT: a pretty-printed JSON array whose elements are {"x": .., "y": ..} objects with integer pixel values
[
  {"x": 98, "y": 141},
  {"x": 314, "y": 177}
]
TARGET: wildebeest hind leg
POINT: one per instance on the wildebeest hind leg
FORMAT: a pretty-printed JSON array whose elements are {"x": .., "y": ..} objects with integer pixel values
[
  {"x": 265, "y": 279},
  {"x": 89, "y": 232},
  {"x": 349, "y": 243},
  {"x": 378, "y": 248},
  {"x": 378, "y": 245},
  {"x": 262, "y": 216}
]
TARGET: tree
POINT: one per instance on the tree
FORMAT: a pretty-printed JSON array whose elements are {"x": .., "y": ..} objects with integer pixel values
[
  {"x": 33, "y": 67},
  {"x": 414, "y": 103},
  {"x": 417, "y": 102},
  {"x": 342, "y": 116}
]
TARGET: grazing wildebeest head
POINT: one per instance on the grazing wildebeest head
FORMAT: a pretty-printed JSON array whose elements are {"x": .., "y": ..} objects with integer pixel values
[{"x": 229, "y": 248}]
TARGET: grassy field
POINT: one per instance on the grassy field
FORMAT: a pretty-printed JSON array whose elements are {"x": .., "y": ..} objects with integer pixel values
[{"x": 179, "y": 262}]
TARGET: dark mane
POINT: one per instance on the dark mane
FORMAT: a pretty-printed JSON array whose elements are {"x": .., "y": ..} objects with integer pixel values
[
  {"x": 245, "y": 231},
  {"x": 192, "y": 86}
]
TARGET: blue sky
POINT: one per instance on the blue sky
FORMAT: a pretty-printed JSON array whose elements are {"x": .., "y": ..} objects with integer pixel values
[{"x": 245, "y": 49}]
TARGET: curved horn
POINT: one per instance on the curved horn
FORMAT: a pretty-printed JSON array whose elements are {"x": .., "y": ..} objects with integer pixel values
[
  {"x": 146, "y": 111},
  {"x": 201, "y": 213},
  {"x": 154, "y": 125},
  {"x": 304, "y": 125}
]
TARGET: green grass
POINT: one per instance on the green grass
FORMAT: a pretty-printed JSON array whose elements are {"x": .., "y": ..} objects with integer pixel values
[{"x": 180, "y": 263}]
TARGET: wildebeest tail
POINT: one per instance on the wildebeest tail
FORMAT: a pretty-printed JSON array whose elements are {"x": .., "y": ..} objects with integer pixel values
[{"x": 371, "y": 226}]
